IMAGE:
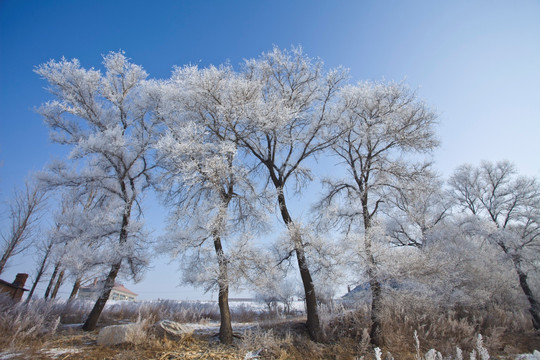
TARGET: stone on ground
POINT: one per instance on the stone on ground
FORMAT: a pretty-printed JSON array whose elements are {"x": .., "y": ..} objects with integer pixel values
[
  {"x": 119, "y": 334},
  {"x": 172, "y": 330}
]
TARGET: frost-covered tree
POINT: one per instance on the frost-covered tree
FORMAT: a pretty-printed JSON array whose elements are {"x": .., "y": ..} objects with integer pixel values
[
  {"x": 455, "y": 269},
  {"x": 327, "y": 256},
  {"x": 104, "y": 119},
  {"x": 496, "y": 193},
  {"x": 24, "y": 213},
  {"x": 85, "y": 229},
  {"x": 288, "y": 124},
  {"x": 414, "y": 209},
  {"x": 382, "y": 123},
  {"x": 208, "y": 185},
  {"x": 274, "y": 288}
]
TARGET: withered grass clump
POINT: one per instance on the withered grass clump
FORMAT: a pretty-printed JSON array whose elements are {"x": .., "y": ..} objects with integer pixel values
[
  {"x": 437, "y": 327},
  {"x": 444, "y": 328},
  {"x": 22, "y": 325}
]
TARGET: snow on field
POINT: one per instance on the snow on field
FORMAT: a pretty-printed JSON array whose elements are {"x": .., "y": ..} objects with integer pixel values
[
  {"x": 212, "y": 327},
  {"x": 9, "y": 355},
  {"x": 248, "y": 304},
  {"x": 50, "y": 353},
  {"x": 57, "y": 352}
]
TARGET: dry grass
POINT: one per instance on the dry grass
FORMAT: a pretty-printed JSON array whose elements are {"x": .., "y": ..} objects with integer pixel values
[
  {"x": 33, "y": 331},
  {"x": 285, "y": 340},
  {"x": 77, "y": 344},
  {"x": 504, "y": 332},
  {"x": 22, "y": 325},
  {"x": 444, "y": 329}
]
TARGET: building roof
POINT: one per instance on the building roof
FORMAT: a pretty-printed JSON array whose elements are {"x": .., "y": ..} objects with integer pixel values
[
  {"x": 117, "y": 287},
  {"x": 122, "y": 288},
  {"x": 12, "y": 286}
]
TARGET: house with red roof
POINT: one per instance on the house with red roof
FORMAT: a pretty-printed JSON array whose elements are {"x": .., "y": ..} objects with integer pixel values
[{"x": 118, "y": 292}]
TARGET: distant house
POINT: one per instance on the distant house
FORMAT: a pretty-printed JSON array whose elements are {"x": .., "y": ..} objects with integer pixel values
[
  {"x": 359, "y": 293},
  {"x": 14, "y": 290},
  {"x": 362, "y": 293},
  {"x": 118, "y": 292}
]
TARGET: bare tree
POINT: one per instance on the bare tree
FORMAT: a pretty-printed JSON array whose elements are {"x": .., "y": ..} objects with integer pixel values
[
  {"x": 44, "y": 251},
  {"x": 52, "y": 279},
  {"x": 104, "y": 118},
  {"x": 496, "y": 193},
  {"x": 288, "y": 124},
  {"x": 381, "y": 124},
  {"x": 24, "y": 215},
  {"x": 59, "y": 282}
]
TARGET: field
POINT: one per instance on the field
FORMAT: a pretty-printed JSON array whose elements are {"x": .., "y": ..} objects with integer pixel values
[{"x": 52, "y": 330}]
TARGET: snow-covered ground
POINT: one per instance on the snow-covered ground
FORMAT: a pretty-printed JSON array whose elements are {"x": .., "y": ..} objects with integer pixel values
[
  {"x": 10, "y": 355},
  {"x": 212, "y": 327},
  {"x": 59, "y": 352}
]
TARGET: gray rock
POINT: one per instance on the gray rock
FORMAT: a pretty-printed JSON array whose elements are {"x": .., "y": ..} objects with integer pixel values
[
  {"x": 534, "y": 356},
  {"x": 119, "y": 334},
  {"x": 172, "y": 330}
]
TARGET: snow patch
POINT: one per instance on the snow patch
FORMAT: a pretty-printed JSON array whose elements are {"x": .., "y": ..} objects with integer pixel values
[
  {"x": 534, "y": 356},
  {"x": 213, "y": 327},
  {"x": 56, "y": 352},
  {"x": 8, "y": 355}
]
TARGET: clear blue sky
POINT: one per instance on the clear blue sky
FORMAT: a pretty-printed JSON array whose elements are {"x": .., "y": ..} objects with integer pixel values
[{"x": 476, "y": 62}]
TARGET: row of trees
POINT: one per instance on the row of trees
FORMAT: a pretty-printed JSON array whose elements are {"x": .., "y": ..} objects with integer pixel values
[{"x": 228, "y": 147}]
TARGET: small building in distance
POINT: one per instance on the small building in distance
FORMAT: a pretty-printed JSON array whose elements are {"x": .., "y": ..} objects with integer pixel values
[
  {"x": 14, "y": 290},
  {"x": 118, "y": 292}
]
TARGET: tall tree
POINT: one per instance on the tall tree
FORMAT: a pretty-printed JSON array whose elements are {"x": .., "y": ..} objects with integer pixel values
[
  {"x": 289, "y": 123},
  {"x": 495, "y": 192},
  {"x": 43, "y": 252},
  {"x": 104, "y": 118},
  {"x": 59, "y": 282},
  {"x": 381, "y": 124},
  {"x": 209, "y": 187},
  {"x": 52, "y": 279},
  {"x": 24, "y": 215}
]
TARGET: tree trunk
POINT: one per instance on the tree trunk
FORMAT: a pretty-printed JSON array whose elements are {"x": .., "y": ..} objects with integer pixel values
[
  {"x": 313, "y": 324},
  {"x": 58, "y": 284},
  {"x": 535, "y": 306},
  {"x": 91, "y": 321},
  {"x": 40, "y": 272},
  {"x": 51, "y": 282},
  {"x": 75, "y": 289},
  {"x": 534, "y": 310},
  {"x": 375, "y": 332},
  {"x": 225, "y": 329},
  {"x": 31, "y": 293}
]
